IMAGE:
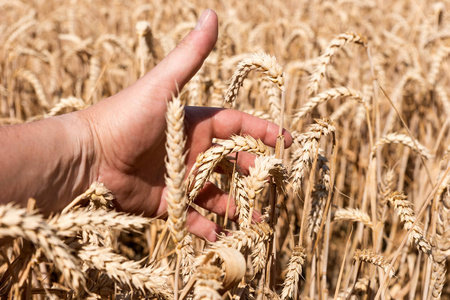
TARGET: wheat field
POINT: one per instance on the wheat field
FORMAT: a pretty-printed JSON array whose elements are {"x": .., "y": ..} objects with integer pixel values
[{"x": 357, "y": 208}]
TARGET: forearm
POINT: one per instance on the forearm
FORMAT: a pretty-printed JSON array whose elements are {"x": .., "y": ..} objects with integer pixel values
[{"x": 48, "y": 160}]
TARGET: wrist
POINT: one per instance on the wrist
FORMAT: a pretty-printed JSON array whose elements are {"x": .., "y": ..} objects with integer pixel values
[{"x": 80, "y": 159}]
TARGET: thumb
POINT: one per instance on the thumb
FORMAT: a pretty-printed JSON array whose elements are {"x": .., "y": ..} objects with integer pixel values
[{"x": 177, "y": 68}]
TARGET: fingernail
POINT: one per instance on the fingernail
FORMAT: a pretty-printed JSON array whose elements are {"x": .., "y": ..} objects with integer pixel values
[{"x": 202, "y": 20}]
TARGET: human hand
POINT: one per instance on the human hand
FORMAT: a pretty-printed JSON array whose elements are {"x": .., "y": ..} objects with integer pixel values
[
  {"x": 120, "y": 141},
  {"x": 128, "y": 132}
]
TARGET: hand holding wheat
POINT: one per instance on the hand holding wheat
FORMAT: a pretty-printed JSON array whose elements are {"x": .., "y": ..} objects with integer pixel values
[{"x": 121, "y": 142}]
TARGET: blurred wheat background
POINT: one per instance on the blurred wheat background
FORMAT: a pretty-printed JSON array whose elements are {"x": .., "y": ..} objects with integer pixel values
[{"x": 357, "y": 208}]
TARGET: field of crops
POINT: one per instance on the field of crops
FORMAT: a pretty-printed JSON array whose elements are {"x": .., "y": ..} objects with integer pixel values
[{"x": 357, "y": 208}]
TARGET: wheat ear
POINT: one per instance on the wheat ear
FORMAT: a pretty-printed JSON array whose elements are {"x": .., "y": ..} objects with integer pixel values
[
  {"x": 208, "y": 283},
  {"x": 176, "y": 169},
  {"x": 265, "y": 166},
  {"x": 150, "y": 281},
  {"x": 67, "y": 105},
  {"x": 207, "y": 161},
  {"x": 303, "y": 157},
  {"x": 37, "y": 86},
  {"x": 72, "y": 222},
  {"x": 319, "y": 197},
  {"x": 293, "y": 273},
  {"x": 260, "y": 62},
  {"x": 334, "y": 93},
  {"x": 436, "y": 62},
  {"x": 325, "y": 59},
  {"x": 354, "y": 215},
  {"x": 407, "y": 216},
  {"x": 367, "y": 255},
  {"x": 398, "y": 138},
  {"x": 438, "y": 278},
  {"x": 16, "y": 222}
]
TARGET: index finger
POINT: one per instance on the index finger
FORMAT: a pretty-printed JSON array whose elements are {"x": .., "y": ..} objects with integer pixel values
[{"x": 222, "y": 123}]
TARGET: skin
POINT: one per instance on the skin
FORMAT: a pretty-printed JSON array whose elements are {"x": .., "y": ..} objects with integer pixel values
[{"x": 121, "y": 142}]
